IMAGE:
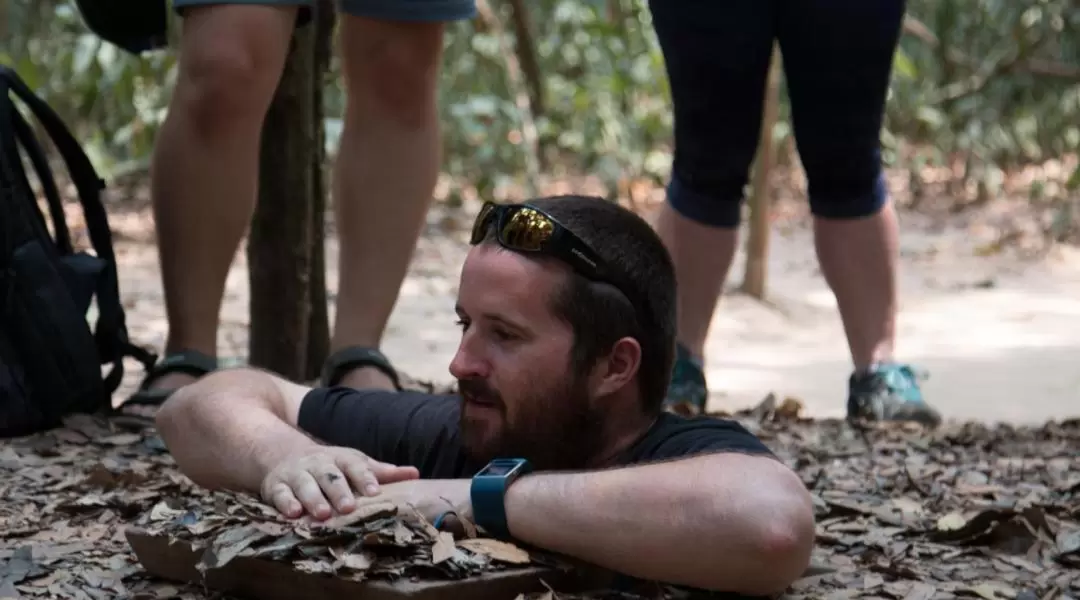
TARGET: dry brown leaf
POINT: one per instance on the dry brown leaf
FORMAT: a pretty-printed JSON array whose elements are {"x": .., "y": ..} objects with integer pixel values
[
  {"x": 362, "y": 514},
  {"x": 228, "y": 545},
  {"x": 872, "y": 581},
  {"x": 357, "y": 561},
  {"x": 920, "y": 591},
  {"x": 121, "y": 439},
  {"x": 313, "y": 566},
  {"x": 443, "y": 548},
  {"x": 790, "y": 408},
  {"x": 496, "y": 550},
  {"x": 992, "y": 591},
  {"x": 953, "y": 521}
]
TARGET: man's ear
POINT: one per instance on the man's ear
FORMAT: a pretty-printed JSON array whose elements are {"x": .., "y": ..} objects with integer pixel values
[{"x": 619, "y": 368}]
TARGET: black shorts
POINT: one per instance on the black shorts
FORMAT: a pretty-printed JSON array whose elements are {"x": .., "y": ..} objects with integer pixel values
[{"x": 837, "y": 58}]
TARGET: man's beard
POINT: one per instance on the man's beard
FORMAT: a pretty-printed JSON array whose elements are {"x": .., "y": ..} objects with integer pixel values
[{"x": 554, "y": 429}]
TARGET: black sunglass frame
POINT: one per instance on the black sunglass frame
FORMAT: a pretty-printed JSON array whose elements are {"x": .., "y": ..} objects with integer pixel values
[{"x": 562, "y": 243}]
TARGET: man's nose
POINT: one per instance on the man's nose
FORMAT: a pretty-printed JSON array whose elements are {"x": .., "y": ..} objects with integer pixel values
[{"x": 467, "y": 364}]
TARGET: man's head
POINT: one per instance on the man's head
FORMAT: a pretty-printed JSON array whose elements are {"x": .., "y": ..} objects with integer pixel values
[{"x": 556, "y": 346}]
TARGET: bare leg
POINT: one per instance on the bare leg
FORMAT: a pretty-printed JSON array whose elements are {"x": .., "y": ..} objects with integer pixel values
[
  {"x": 838, "y": 58},
  {"x": 702, "y": 257},
  {"x": 717, "y": 125},
  {"x": 858, "y": 259},
  {"x": 385, "y": 173},
  {"x": 205, "y": 164}
]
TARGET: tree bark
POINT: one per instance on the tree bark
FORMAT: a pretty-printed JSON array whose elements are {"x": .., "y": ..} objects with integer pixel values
[
  {"x": 285, "y": 258},
  {"x": 318, "y": 347},
  {"x": 757, "y": 243},
  {"x": 525, "y": 47}
]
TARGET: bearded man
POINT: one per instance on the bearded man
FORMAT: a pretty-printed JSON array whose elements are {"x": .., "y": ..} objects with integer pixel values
[{"x": 557, "y": 437}]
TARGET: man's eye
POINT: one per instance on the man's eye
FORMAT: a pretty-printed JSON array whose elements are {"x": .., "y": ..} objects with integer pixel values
[
  {"x": 503, "y": 335},
  {"x": 462, "y": 323}
]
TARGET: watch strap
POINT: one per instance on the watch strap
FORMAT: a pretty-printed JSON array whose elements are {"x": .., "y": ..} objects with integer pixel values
[{"x": 488, "y": 496}]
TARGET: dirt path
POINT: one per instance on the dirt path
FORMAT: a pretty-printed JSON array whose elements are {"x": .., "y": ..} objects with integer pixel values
[{"x": 1000, "y": 336}]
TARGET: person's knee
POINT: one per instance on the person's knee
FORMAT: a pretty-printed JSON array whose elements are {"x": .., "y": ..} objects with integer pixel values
[
  {"x": 715, "y": 202},
  {"x": 710, "y": 170},
  {"x": 225, "y": 85},
  {"x": 392, "y": 68},
  {"x": 845, "y": 183},
  {"x": 716, "y": 136},
  {"x": 227, "y": 81}
]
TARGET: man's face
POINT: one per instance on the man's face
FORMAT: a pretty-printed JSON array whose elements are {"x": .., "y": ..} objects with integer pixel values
[{"x": 520, "y": 397}]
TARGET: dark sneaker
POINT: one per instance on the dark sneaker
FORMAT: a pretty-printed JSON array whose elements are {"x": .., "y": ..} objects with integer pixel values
[
  {"x": 889, "y": 392},
  {"x": 687, "y": 393}
]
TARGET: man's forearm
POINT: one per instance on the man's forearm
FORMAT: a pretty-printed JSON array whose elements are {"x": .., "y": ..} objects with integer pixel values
[
  {"x": 227, "y": 438},
  {"x": 714, "y": 522}
]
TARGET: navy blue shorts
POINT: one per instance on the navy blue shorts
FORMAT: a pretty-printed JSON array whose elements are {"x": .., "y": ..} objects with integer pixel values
[{"x": 837, "y": 58}]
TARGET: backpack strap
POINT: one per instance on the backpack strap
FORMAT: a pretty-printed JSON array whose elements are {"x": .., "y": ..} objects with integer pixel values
[
  {"x": 25, "y": 137},
  {"x": 13, "y": 173},
  {"x": 111, "y": 332}
]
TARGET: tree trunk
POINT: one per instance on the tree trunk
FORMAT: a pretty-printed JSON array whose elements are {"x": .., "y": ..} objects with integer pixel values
[
  {"x": 528, "y": 58},
  {"x": 525, "y": 47},
  {"x": 757, "y": 244},
  {"x": 285, "y": 242},
  {"x": 319, "y": 325}
]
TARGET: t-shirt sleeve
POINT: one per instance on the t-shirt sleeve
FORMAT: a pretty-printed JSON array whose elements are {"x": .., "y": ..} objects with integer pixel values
[
  {"x": 403, "y": 428},
  {"x": 679, "y": 438}
]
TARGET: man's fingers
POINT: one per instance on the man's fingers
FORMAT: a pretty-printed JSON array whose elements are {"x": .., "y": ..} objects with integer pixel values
[
  {"x": 335, "y": 486},
  {"x": 284, "y": 500},
  {"x": 360, "y": 475},
  {"x": 310, "y": 494},
  {"x": 388, "y": 473}
]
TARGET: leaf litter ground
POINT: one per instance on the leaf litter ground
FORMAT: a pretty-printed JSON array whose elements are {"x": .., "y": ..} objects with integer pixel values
[{"x": 965, "y": 511}]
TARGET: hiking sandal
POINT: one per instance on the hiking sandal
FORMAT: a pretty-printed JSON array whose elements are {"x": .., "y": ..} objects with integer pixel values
[
  {"x": 191, "y": 362},
  {"x": 354, "y": 357}
]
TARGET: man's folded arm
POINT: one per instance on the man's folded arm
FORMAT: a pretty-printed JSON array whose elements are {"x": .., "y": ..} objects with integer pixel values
[
  {"x": 727, "y": 521},
  {"x": 229, "y": 428}
]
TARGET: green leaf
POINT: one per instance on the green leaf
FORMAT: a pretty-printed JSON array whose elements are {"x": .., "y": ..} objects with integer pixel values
[
  {"x": 903, "y": 64},
  {"x": 1073, "y": 183}
]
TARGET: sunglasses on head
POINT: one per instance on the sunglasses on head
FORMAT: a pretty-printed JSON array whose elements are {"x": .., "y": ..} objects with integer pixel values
[{"x": 528, "y": 229}]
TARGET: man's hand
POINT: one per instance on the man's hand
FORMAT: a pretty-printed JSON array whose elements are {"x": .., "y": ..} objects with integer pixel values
[{"x": 326, "y": 479}]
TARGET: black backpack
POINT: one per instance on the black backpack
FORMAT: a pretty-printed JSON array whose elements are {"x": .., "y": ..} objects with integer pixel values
[{"x": 50, "y": 360}]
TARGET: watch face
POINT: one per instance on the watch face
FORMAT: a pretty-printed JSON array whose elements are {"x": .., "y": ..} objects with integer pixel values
[{"x": 499, "y": 468}]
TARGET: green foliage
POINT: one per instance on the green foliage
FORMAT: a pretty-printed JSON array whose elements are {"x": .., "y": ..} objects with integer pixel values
[
  {"x": 113, "y": 101},
  {"x": 994, "y": 82},
  {"x": 997, "y": 80}
]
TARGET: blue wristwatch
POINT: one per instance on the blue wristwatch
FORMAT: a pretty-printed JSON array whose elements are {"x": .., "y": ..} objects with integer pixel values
[{"x": 488, "y": 493}]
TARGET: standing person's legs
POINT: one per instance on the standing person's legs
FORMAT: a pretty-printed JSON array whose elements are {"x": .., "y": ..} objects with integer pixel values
[
  {"x": 386, "y": 168},
  {"x": 717, "y": 58},
  {"x": 838, "y": 58},
  {"x": 205, "y": 169}
]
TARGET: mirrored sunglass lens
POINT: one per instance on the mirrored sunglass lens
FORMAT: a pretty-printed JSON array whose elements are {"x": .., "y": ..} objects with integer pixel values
[{"x": 527, "y": 230}]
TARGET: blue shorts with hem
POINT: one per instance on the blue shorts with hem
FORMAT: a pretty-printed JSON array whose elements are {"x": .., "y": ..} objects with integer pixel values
[
  {"x": 390, "y": 10},
  {"x": 837, "y": 60}
]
